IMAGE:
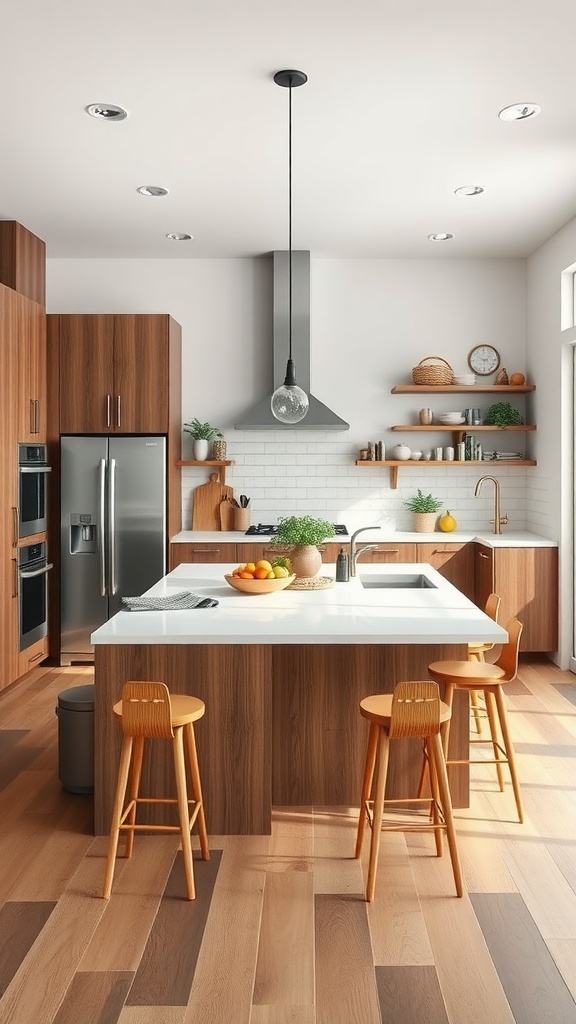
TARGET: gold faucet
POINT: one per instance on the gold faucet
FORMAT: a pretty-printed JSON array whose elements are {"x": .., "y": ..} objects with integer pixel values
[{"x": 498, "y": 519}]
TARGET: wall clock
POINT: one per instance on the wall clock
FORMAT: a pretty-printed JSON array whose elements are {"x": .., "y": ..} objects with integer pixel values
[{"x": 484, "y": 359}]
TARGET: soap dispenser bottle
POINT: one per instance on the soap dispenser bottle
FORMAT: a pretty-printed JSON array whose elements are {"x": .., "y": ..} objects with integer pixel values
[{"x": 342, "y": 567}]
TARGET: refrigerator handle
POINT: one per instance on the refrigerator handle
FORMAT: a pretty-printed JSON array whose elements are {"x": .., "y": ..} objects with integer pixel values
[
  {"x": 112, "y": 525},
  {"x": 103, "y": 539}
]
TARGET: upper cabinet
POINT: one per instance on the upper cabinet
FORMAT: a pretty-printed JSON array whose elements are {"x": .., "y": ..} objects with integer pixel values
[
  {"x": 23, "y": 261},
  {"x": 31, "y": 321},
  {"x": 119, "y": 373}
]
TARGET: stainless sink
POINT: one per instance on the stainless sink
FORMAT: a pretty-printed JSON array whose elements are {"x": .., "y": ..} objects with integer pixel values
[{"x": 400, "y": 581}]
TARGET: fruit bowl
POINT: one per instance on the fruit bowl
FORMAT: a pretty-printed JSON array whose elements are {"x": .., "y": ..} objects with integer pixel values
[{"x": 260, "y": 586}]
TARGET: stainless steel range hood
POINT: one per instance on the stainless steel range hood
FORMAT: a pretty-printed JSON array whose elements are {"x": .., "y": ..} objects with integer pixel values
[{"x": 319, "y": 416}]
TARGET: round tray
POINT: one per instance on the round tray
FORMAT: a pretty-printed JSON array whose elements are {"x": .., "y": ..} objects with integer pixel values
[{"x": 312, "y": 583}]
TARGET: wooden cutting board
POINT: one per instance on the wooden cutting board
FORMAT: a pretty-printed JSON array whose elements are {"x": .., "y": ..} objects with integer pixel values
[
  {"x": 226, "y": 514},
  {"x": 207, "y": 499}
]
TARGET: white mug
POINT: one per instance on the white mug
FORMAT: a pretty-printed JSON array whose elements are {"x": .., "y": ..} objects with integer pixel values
[
  {"x": 449, "y": 454},
  {"x": 438, "y": 455}
]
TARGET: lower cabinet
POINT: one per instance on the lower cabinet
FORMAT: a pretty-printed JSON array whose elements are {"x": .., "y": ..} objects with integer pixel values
[
  {"x": 453, "y": 561},
  {"x": 202, "y": 553},
  {"x": 388, "y": 553},
  {"x": 527, "y": 581}
]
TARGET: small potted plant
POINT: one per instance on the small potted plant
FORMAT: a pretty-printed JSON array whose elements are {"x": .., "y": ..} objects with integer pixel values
[
  {"x": 424, "y": 507},
  {"x": 201, "y": 433},
  {"x": 303, "y": 534},
  {"x": 502, "y": 414}
]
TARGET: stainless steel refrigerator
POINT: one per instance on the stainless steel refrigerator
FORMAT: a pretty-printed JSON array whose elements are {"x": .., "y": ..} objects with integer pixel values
[{"x": 112, "y": 530}]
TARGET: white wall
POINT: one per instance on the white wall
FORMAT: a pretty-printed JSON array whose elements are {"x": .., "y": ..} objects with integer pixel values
[
  {"x": 549, "y": 360},
  {"x": 372, "y": 321}
]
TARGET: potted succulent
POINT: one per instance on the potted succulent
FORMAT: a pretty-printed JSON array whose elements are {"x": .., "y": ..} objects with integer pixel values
[
  {"x": 201, "y": 433},
  {"x": 424, "y": 508},
  {"x": 303, "y": 534}
]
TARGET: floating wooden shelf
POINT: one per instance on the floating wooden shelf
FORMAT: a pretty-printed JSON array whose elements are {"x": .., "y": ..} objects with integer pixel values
[
  {"x": 462, "y": 428},
  {"x": 411, "y": 463},
  {"x": 451, "y": 389},
  {"x": 209, "y": 462}
]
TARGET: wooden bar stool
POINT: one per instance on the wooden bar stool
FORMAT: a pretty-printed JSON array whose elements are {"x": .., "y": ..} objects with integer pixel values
[
  {"x": 487, "y": 679},
  {"x": 476, "y": 652},
  {"x": 147, "y": 711},
  {"x": 413, "y": 710}
]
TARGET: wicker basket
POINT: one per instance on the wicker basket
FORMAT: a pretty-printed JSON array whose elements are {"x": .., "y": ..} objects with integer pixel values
[{"x": 432, "y": 371}]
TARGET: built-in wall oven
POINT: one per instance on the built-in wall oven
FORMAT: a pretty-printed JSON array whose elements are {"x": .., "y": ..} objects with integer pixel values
[
  {"x": 32, "y": 489},
  {"x": 33, "y": 569}
]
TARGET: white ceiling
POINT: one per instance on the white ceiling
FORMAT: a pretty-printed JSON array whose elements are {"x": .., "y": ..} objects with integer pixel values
[{"x": 401, "y": 108}]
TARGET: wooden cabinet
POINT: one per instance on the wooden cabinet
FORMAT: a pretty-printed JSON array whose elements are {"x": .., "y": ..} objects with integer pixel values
[
  {"x": 388, "y": 553},
  {"x": 453, "y": 561},
  {"x": 118, "y": 372},
  {"x": 527, "y": 581},
  {"x": 205, "y": 552},
  {"x": 9, "y": 485},
  {"x": 31, "y": 332},
  {"x": 22, "y": 261}
]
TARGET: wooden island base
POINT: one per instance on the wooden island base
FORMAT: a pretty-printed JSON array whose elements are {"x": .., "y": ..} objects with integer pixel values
[{"x": 282, "y": 724}]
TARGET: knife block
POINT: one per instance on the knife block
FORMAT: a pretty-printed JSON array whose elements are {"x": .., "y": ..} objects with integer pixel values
[{"x": 241, "y": 519}]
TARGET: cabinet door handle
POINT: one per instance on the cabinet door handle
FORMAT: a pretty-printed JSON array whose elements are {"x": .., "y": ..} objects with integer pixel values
[
  {"x": 205, "y": 551},
  {"x": 482, "y": 555},
  {"x": 32, "y": 416},
  {"x": 37, "y": 415},
  {"x": 14, "y": 526},
  {"x": 389, "y": 551},
  {"x": 15, "y": 578},
  {"x": 117, "y": 410},
  {"x": 108, "y": 410}
]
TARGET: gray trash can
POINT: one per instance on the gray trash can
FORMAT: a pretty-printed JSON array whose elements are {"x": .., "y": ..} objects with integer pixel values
[{"x": 76, "y": 738}]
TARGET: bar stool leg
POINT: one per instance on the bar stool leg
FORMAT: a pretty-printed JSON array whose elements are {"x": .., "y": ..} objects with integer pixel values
[
  {"x": 436, "y": 800},
  {"x": 183, "y": 810},
  {"x": 366, "y": 784},
  {"x": 378, "y": 810},
  {"x": 492, "y": 712},
  {"x": 509, "y": 751},
  {"x": 439, "y": 768},
  {"x": 122, "y": 782},
  {"x": 133, "y": 789},
  {"x": 476, "y": 710},
  {"x": 197, "y": 788}
]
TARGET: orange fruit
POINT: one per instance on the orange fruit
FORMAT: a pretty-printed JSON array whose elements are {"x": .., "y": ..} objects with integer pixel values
[
  {"x": 246, "y": 575},
  {"x": 250, "y": 567},
  {"x": 261, "y": 573},
  {"x": 517, "y": 378}
]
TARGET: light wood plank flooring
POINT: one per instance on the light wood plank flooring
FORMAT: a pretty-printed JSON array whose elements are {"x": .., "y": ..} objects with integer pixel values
[{"x": 279, "y": 932}]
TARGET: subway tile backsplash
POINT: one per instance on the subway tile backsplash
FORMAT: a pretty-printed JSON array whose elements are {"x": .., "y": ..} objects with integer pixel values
[{"x": 316, "y": 473}]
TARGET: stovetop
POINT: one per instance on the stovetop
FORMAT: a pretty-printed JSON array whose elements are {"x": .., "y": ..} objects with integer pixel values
[{"x": 263, "y": 530}]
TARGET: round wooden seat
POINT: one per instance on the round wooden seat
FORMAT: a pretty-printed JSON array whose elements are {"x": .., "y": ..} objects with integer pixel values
[
  {"x": 468, "y": 673},
  {"x": 148, "y": 711},
  {"x": 413, "y": 711},
  {"x": 183, "y": 708}
]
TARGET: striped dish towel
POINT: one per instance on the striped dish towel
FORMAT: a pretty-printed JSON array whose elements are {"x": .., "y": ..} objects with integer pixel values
[{"x": 182, "y": 601}]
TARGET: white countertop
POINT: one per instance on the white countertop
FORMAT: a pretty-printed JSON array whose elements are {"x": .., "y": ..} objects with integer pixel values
[
  {"x": 508, "y": 539},
  {"x": 347, "y": 613}
]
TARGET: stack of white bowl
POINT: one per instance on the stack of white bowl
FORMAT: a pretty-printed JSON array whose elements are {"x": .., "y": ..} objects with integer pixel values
[
  {"x": 451, "y": 419},
  {"x": 464, "y": 379}
]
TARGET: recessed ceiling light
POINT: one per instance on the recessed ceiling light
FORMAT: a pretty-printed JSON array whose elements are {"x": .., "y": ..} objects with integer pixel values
[
  {"x": 440, "y": 236},
  {"x": 152, "y": 190},
  {"x": 179, "y": 236},
  {"x": 468, "y": 190},
  {"x": 519, "y": 111},
  {"x": 106, "y": 111}
]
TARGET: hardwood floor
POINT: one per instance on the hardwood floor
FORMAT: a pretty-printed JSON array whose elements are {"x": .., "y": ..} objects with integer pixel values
[{"x": 279, "y": 932}]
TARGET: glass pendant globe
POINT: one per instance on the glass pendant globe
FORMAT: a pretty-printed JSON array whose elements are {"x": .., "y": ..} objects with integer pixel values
[{"x": 289, "y": 403}]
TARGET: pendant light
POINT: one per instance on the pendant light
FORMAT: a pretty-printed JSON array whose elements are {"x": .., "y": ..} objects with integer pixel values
[{"x": 289, "y": 402}]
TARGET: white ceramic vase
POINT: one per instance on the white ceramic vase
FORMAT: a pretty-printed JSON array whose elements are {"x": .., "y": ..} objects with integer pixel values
[{"x": 200, "y": 449}]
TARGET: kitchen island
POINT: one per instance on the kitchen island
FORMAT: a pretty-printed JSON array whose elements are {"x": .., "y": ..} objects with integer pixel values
[{"x": 282, "y": 676}]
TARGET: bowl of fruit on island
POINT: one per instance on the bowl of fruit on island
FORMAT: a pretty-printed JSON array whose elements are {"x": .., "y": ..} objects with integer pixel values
[{"x": 262, "y": 577}]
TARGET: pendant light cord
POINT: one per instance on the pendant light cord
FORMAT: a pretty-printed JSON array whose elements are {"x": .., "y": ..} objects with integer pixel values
[{"x": 290, "y": 217}]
